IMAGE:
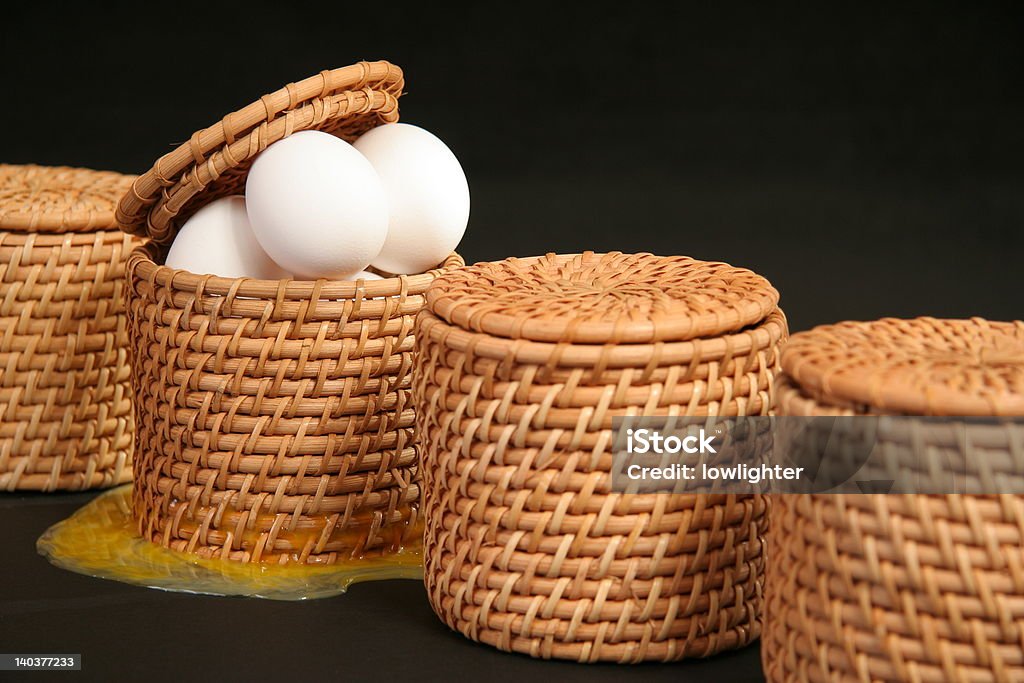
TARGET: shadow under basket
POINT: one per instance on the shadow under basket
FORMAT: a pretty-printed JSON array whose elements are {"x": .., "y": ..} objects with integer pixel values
[{"x": 274, "y": 417}]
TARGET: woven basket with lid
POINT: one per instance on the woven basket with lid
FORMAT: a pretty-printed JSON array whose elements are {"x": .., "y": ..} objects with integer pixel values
[
  {"x": 64, "y": 373},
  {"x": 521, "y": 366},
  {"x": 924, "y": 588},
  {"x": 275, "y": 423}
]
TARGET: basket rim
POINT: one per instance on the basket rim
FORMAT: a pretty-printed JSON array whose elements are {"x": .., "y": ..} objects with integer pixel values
[
  {"x": 603, "y": 298},
  {"x": 167, "y": 190},
  {"x": 87, "y": 206},
  {"x": 763, "y": 336},
  {"x": 142, "y": 264}
]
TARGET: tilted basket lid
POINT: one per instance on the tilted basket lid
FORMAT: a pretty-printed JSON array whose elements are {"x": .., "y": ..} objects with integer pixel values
[
  {"x": 214, "y": 162},
  {"x": 56, "y": 199},
  {"x": 609, "y": 298},
  {"x": 922, "y": 366}
]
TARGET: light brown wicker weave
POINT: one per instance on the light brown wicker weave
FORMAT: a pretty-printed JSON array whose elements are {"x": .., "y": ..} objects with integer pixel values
[
  {"x": 275, "y": 423},
  {"x": 527, "y": 548},
  {"x": 66, "y": 420},
  {"x": 923, "y": 588}
]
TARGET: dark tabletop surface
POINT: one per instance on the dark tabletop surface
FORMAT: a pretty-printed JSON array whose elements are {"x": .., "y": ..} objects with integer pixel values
[{"x": 376, "y": 631}]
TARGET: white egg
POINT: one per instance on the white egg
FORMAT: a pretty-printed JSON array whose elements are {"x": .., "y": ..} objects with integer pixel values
[
  {"x": 217, "y": 240},
  {"x": 317, "y": 206},
  {"x": 367, "y": 275},
  {"x": 427, "y": 192}
]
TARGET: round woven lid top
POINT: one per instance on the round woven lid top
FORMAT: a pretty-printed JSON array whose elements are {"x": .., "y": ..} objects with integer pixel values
[
  {"x": 916, "y": 367},
  {"x": 215, "y": 161},
  {"x": 602, "y": 298},
  {"x": 59, "y": 199}
]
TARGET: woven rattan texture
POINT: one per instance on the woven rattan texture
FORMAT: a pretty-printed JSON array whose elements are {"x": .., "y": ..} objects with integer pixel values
[
  {"x": 275, "y": 421},
  {"x": 214, "y": 162},
  {"x": 528, "y": 549},
  {"x": 923, "y": 588},
  {"x": 66, "y": 422},
  {"x": 274, "y": 428},
  {"x": 58, "y": 199},
  {"x": 922, "y": 366},
  {"x": 603, "y": 298},
  {"x": 967, "y": 456}
]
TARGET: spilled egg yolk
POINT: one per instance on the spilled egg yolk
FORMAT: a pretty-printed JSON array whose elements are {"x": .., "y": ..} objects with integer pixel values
[{"x": 100, "y": 540}]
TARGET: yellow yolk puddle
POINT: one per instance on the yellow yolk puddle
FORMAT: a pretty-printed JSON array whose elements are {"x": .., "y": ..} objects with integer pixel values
[{"x": 100, "y": 540}]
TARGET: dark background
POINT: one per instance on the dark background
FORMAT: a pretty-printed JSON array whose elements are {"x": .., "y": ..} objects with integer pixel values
[{"x": 865, "y": 157}]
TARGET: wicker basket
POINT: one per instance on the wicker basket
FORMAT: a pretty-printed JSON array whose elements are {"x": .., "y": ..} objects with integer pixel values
[
  {"x": 923, "y": 588},
  {"x": 521, "y": 367},
  {"x": 64, "y": 374},
  {"x": 275, "y": 423}
]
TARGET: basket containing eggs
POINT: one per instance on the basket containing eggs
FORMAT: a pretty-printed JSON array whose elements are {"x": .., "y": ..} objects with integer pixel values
[{"x": 271, "y": 316}]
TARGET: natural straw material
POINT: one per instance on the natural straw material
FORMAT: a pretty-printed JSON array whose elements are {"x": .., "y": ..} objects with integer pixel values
[
  {"x": 214, "y": 162},
  {"x": 275, "y": 423},
  {"x": 527, "y": 548},
  {"x": 915, "y": 367},
  {"x": 558, "y": 300},
  {"x": 923, "y": 588},
  {"x": 66, "y": 420}
]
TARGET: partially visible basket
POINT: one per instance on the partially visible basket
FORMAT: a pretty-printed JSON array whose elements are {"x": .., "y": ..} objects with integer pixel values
[
  {"x": 275, "y": 423},
  {"x": 66, "y": 419},
  {"x": 521, "y": 366},
  {"x": 923, "y": 588}
]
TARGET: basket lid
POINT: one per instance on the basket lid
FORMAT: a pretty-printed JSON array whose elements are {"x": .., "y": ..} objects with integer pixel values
[
  {"x": 602, "y": 298},
  {"x": 214, "y": 162},
  {"x": 922, "y": 366},
  {"x": 58, "y": 199}
]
